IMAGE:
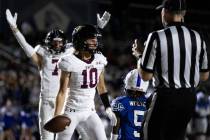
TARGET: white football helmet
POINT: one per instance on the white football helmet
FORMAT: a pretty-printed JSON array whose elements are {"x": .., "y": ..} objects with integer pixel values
[{"x": 134, "y": 82}]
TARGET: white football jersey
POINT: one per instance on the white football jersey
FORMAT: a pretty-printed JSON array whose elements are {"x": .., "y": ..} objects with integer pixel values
[
  {"x": 49, "y": 72},
  {"x": 83, "y": 80}
]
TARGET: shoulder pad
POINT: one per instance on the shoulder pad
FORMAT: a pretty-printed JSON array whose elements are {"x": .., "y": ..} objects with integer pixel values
[
  {"x": 69, "y": 48},
  {"x": 64, "y": 63},
  {"x": 100, "y": 57},
  {"x": 39, "y": 50}
]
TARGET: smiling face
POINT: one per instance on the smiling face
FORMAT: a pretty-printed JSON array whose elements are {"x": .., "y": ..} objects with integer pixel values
[{"x": 91, "y": 43}]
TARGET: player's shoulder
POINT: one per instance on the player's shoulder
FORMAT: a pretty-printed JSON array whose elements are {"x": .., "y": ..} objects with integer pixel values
[
  {"x": 40, "y": 49},
  {"x": 119, "y": 99},
  {"x": 66, "y": 58},
  {"x": 64, "y": 62},
  {"x": 117, "y": 104},
  {"x": 68, "y": 62},
  {"x": 100, "y": 57},
  {"x": 69, "y": 48}
]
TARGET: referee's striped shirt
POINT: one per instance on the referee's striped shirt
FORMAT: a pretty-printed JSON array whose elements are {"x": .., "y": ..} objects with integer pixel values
[{"x": 176, "y": 55}]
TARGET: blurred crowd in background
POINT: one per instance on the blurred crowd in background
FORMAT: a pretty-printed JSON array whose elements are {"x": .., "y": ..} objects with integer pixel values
[{"x": 19, "y": 77}]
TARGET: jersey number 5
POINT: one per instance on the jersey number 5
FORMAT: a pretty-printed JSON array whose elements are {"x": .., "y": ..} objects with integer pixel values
[
  {"x": 89, "y": 76},
  {"x": 137, "y": 113}
]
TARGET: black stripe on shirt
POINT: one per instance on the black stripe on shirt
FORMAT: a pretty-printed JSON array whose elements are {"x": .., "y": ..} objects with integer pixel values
[
  {"x": 201, "y": 55},
  {"x": 182, "y": 55},
  {"x": 170, "y": 58},
  {"x": 193, "y": 57}
]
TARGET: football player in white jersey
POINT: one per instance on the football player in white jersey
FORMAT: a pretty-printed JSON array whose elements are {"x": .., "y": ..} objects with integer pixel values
[
  {"x": 45, "y": 57},
  {"x": 83, "y": 72}
]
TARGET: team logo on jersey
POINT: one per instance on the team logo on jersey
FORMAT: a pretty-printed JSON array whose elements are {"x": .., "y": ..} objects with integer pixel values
[{"x": 118, "y": 107}]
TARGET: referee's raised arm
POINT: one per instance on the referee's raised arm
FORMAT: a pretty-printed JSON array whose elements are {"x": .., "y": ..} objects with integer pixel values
[{"x": 176, "y": 56}]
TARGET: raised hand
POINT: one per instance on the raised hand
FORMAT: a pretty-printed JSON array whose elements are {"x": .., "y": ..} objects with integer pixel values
[
  {"x": 135, "y": 50},
  {"x": 102, "y": 21},
  {"x": 11, "y": 19}
]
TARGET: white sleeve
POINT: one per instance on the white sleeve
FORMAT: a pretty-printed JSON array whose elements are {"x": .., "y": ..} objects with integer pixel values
[
  {"x": 103, "y": 59},
  {"x": 69, "y": 48},
  {"x": 39, "y": 50},
  {"x": 29, "y": 50},
  {"x": 64, "y": 64}
]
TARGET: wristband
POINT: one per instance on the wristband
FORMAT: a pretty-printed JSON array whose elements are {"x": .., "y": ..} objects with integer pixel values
[{"x": 105, "y": 99}]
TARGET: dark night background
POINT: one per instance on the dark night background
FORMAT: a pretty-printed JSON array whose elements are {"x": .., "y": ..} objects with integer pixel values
[{"x": 19, "y": 77}]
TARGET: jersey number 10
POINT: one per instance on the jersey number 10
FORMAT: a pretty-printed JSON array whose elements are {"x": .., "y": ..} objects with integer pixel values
[{"x": 91, "y": 76}]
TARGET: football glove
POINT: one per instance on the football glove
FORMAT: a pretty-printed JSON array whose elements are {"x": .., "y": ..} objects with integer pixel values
[
  {"x": 102, "y": 21},
  {"x": 113, "y": 136},
  {"x": 135, "y": 51},
  {"x": 11, "y": 19},
  {"x": 111, "y": 116}
]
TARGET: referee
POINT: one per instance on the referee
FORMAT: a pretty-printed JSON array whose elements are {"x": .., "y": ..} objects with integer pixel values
[{"x": 176, "y": 56}]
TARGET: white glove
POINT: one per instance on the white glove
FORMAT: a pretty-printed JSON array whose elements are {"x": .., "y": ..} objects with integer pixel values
[
  {"x": 11, "y": 20},
  {"x": 134, "y": 49},
  {"x": 113, "y": 136},
  {"x": 111, "y": 116},
  {"x": 102, "y": 21}
]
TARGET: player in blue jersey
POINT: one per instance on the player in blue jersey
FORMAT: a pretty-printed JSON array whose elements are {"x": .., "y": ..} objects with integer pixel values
[{"x": 130, "y": 109}]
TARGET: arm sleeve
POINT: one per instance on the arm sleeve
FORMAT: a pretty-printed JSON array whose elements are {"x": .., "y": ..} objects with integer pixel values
[
  {"x": 102, "y": 59},
  {"x": 64, "y": 64},
  {"x": 39, "y": 50},
  {"x": 149, "y": 54},
  {"x": 28, "y": 49}
]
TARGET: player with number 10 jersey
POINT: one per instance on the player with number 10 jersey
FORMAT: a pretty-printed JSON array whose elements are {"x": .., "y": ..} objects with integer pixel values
[{"x": 84, "y": 78}]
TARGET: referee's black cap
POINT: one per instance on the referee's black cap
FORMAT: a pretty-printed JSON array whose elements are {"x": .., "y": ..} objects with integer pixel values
[{"x": 173, "y": 5}]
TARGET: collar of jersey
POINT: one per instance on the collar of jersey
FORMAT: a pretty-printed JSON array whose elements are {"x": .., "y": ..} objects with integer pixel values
[{"x": 86, "y": 61}]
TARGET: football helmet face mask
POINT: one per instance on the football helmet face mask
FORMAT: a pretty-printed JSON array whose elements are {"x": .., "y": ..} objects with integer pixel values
[
  {"x": 87, "y": 38},
  {"x": 55, "y": 41}
]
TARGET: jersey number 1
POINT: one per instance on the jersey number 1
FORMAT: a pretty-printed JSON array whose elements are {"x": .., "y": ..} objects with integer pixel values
[{"x": 91, "y": 76}]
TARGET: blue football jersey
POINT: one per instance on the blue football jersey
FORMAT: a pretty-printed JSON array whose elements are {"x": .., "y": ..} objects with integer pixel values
[{"x": 131, "y": 112}]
